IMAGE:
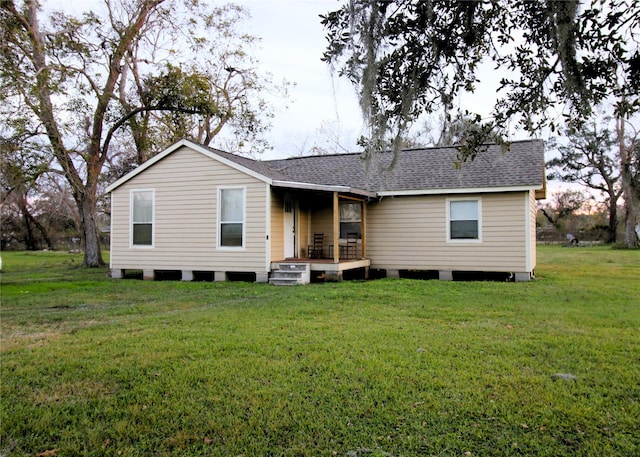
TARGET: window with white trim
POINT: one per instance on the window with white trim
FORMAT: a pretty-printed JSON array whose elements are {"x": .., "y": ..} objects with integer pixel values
[
  {"x": 464, "y": 222},
  {"x": 142, "y": 217},
  {"x": 350, "y": 219},
  {"x": 231, "y": 214}
]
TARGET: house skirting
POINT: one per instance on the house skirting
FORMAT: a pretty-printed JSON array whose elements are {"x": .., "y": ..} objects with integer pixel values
[
  {"x": 453, "y": 275},
  {"x": 325, "y": 269}
]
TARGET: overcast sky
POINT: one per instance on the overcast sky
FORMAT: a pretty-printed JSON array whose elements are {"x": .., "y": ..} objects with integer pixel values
[{"x": 292, "y": 43}]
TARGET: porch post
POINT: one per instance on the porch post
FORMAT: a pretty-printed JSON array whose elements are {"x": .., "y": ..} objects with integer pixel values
[
  {"x": 363, "y": 226},
  {"x": 336, "y": 228}
]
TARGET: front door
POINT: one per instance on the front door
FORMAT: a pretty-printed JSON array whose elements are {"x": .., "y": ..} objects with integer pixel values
[{"x": 289, "y": 228}]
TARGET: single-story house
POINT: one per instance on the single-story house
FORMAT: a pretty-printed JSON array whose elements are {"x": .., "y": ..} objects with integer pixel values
[{"x": 201, "y": 212}]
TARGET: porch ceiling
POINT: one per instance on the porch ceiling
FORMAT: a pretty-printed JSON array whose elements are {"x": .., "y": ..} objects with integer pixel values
[{"x": 323, "y": 187}]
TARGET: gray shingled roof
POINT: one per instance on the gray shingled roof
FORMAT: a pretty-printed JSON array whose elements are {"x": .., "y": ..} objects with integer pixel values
[
  {"x": 258, "y": 166},
  {"x": 522, "y": 165}
]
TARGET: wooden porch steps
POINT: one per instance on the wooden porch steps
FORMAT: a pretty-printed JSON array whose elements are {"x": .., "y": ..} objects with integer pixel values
[{"x": 290, "y": 274}]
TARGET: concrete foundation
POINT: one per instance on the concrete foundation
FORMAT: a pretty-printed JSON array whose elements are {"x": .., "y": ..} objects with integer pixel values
[
  {"x": 394, "y": 274},
  {"x": 262, "y": 277},
  {"x": 333, "y": 276},
  {"x": 187, "y": 275},
  {"x": 445, "y": 275},
  {"x": 522, "y": 277},
  {"x": 148, "y": 275},
  {"x": 117, "y": 273},
  {"x": 219, "y": 276}
]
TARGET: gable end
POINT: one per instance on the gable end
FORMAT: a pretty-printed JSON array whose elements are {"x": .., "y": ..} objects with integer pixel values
[{"x": 195, "y": 147}]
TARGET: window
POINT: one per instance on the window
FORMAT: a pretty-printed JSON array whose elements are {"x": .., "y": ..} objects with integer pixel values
[
  {"x": 464, "y": 219},
  {"x": 231, "y": 218},
  {"x": 142, "y": 217},
  {"x": 350, "y": 218}
]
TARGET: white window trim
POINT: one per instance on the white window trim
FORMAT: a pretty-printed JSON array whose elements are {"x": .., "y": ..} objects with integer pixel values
[
  {"x": 244, "y": 219},
  {"x": 153, "y": 219},
  {"x": 340, "y": 220},
  {"x": 448, "y": 226}
]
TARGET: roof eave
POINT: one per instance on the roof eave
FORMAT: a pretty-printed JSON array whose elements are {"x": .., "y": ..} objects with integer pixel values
[
  {"x": 462, "y": 190},
  {"x": 323, "y": 187}
]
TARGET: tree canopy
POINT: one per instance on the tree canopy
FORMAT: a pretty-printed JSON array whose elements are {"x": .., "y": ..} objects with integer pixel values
[
  {"x": 129, "y": 72},
  {"x": 590, "y": 159},
  {"x": 411, "y": 57},
  {"x": 408, "y": 58}
]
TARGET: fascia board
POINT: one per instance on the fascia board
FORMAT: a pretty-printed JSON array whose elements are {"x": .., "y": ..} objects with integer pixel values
[
  {"x": 469, "y": 190},
  {"x": 322, "y": 187}
]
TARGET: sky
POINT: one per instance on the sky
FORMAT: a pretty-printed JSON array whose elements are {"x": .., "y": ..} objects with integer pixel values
[
  {"x": 292, "y": 44},
  {"x": 320, "y": 105},
  {"x": 293, "y": 41}
]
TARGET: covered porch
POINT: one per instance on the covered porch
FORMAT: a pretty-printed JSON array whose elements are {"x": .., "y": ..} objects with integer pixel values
[{"x": 323, "y": 227}]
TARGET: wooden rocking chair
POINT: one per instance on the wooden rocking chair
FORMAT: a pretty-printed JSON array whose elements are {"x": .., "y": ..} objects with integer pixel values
[
  {"x": 352, "y": 246},
  {"x": 315, "y": 249}
]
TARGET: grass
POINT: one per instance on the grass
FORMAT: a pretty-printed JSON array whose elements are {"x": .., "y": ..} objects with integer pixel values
[{"x": 94, "y": 366}]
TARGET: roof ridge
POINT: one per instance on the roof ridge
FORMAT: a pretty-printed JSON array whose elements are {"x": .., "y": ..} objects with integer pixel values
[
  {"x": 313, "y": 156},
  {"x": 388, "y": 151},
  {"x": 453, "y": 146}
]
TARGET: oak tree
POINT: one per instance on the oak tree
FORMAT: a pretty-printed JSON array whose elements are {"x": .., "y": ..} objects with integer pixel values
[
  {"x": 589, "y": 158},
  {"x": 87, "y": 80},
  {"x": 561, "y": 206},
  {"x": 410, "y": 57}
]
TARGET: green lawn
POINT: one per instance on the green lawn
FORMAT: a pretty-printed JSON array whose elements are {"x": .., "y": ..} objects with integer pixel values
[{"x": 94, "y": 366}]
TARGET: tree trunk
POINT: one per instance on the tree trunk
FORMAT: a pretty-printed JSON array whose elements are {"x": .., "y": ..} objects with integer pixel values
[
  {"x": 43, "y": 231},
  {"x": 90, "y": 234},
  {"x": 30, "y": 242},
  {"x": 554, "y": 221},
  {"x": 632, "y": 210},
  {"x": 630, "y": 192},
  {"x": 612, "y": 230}
]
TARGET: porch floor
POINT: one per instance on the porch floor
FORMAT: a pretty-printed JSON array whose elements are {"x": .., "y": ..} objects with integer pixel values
[{"x": 326, "y": 264}]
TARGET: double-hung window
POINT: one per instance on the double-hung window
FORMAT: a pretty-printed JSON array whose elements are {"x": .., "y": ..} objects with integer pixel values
[
  {"x": 231, "y": 215},
  {"x": 350, "y": 219},
  {"x": 142, "y": 217},
  {"x": 464, "y": 219}
]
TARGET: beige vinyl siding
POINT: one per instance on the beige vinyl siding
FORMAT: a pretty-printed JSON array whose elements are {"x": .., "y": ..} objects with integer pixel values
[
  {"x": 277, "y": 226},
  {"x": 303, "y": 231},
  {"x": 411, "y": 233},
  {"x": 185, "y": 217},
  {"x": 315, "y": 216},
  {"x": 322, "y": 222}
]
